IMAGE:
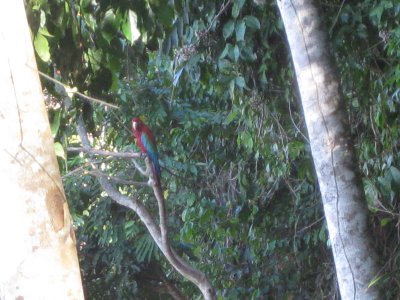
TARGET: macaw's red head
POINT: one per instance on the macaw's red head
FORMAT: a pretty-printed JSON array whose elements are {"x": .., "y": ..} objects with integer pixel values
[{"x": 136, "y": 125}]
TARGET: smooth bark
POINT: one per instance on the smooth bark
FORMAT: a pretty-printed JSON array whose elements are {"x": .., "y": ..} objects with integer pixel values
[
  {"x": 38, "y": 257},
  {"x": 334, "y": 159}
]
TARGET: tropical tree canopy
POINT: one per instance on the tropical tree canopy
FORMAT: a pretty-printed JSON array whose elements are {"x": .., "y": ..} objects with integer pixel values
[{"x": 214, "y": 80}]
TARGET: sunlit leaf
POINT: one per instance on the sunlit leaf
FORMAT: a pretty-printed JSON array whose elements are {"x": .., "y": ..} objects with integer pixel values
[
  {"x": 59, "y": 150},
  {"x": 42, "y": 47},
  {"x": 239, "y": 81},
  {"x": 55, "y": 124},
  {"x": 240, "y": 30},
  {"x": 234, "y": 53}
]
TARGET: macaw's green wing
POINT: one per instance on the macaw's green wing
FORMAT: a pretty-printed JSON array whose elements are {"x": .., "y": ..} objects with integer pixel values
[{"x": 151, "y": 150}]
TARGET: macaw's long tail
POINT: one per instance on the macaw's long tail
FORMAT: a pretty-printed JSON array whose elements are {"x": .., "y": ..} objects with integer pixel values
[
  {"x": 155, "y": 167},
  {"x": 157, "y": 172}
]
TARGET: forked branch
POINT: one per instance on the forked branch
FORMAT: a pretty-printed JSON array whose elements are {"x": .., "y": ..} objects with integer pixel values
[{"x": 158, "y": 232}]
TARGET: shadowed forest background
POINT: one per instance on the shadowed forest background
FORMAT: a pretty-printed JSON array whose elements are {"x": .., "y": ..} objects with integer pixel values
[{"x": 214, "y": 80}]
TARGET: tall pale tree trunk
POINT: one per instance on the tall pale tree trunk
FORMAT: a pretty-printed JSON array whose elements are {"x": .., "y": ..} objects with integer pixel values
[
  {"x": 38, "y": 258},
  {"x": 333, "y": 155}
]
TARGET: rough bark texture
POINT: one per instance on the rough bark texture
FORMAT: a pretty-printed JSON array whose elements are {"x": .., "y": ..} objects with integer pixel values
[
  {"x": 38, "y": 257},
  {"x": 333, "y": 155}
]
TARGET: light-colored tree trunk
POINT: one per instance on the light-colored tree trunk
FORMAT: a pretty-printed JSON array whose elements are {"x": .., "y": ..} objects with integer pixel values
[
  {"x": 38, "y": 258},
  {"x": 333, "y": 155}
]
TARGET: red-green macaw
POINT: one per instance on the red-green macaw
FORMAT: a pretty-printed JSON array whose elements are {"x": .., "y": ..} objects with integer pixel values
[{"x": 147, "y": 144}]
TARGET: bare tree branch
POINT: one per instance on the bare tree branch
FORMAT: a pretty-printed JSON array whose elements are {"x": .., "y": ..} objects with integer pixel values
[
  {"x": 70, "y": 90},
  {"x": 140, "y": 169},
  {"x": 127, "y": 155},
  {"x": 158, "y": 233},
  {"x": 222, "y": 9}
]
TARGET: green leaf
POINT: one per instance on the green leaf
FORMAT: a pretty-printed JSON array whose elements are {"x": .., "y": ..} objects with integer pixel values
[
  {"x": 114, "y": 63},
  {"x": 223, "y": 64},
  {"x": 131, "y": 229},
  {"x": 85, "y": 3},
  {"x": 42, "y": 47},
  {"x": 174, "y": 37},
  {"x": 58, "y": 148},
  {"x": 248, "y": 54},
  {"x": 94, "y": 56},
  {"x": 271, "y": 245},
  {"x": 226, "y": 51},
  {"x": 232, "y": 115},
  {"x": 193, "y": 170},
  {"x": 379, "y": 119},
  {"x": 228, "y": 29},
  {"x": 237, "y": 6},
  {"x": 234, "y": 53},
  {"x": 43, "y": 31},
  {"x": 240, "y": 82},
  {"x": 322, "y": 234},
  {"x": 247, "y": 140},
  {"x": 395, "y": 174},
  {"x": 375, "y": 281},
  {"x": 126, "y": 28},
  {"x": 376, "y": 14},
  {"x": 385, "y": 221},
  {"x": 145, "y": 248},
  {"x": 165, "y": 13},
  {"x": 191, "y": 199},
  {"x": 362, "y": 31},
  {"x": 371, "y": 193},
  {"x": 172, "y": 186},
  {"x": 295, "y": 149},
  {"x": 42, "y": 18},
  {"x": 385, "y": 183},
  {"x": 235, "y": 10},
  {"x": 240, "y": 29},
  {"x": 109, "y": 26},
  {"x": 184, "y": 214},
  {"x": 55, "y": 124},
  {"x": 252, "y": 22}
]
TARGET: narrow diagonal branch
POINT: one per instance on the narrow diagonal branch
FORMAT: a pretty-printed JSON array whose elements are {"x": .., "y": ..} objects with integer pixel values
[
  {"x": 74, "y": 91},
  {"x": 127, "y": 155},
  {"x": 140, "y": 169}
]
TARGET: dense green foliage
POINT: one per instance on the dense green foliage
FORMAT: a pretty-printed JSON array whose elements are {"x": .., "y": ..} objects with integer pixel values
[{"x": 214, "y": 80}]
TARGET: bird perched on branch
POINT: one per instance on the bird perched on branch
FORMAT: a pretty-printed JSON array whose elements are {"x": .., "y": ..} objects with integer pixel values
[{"x": 147, "y": 144}]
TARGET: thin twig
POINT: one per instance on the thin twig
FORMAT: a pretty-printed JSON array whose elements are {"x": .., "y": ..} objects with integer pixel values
[
  {"x": 140, "y": 169},
  {"x": 125, "y": 155},
  {"x": 97, "y": 173},
  {"x": 295, "y": 125},
  {"x": 311, "y": 225},
  {"x": 222, "y": 9},
  {"x": 68, "y": 89},
  {"x": 337, "y": 17}
]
